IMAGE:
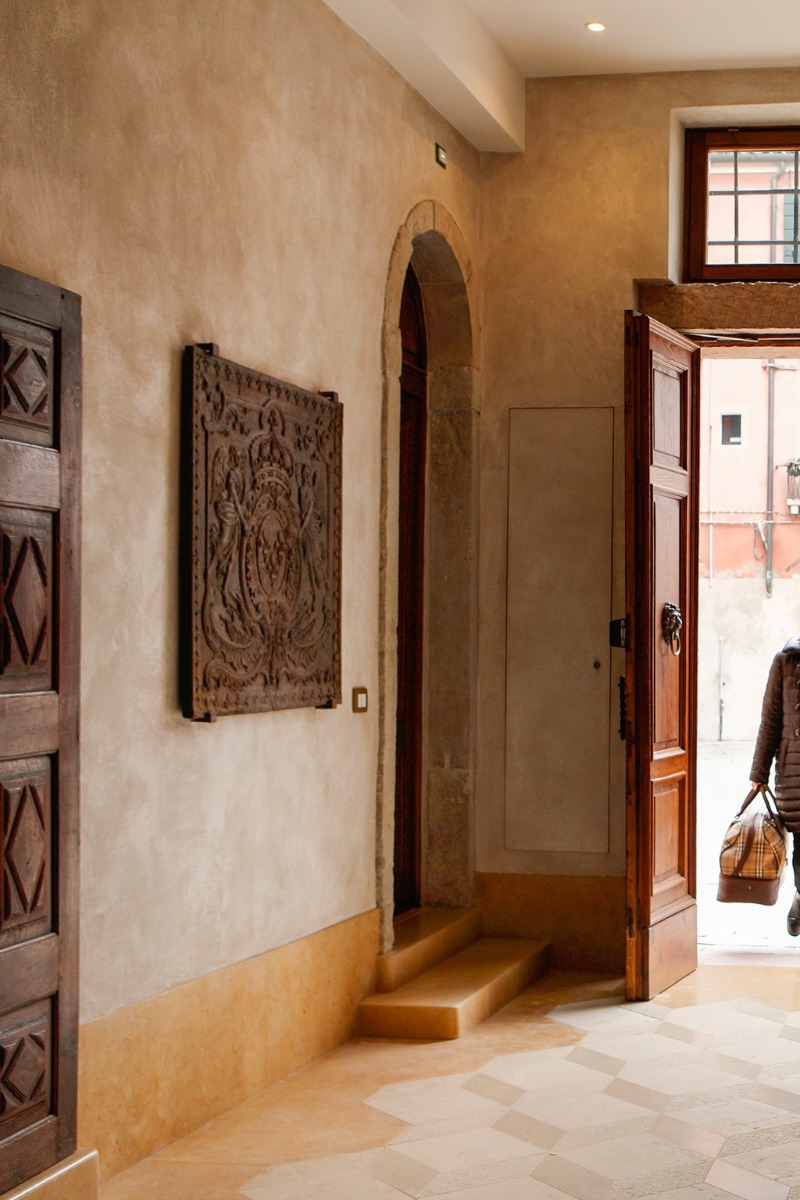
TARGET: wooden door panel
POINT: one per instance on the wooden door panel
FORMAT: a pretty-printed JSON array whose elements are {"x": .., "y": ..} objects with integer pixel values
[
  {"x": 29, "y": 723},
  {"x": 25, "y": 1087},
  {"x": 32, "y": 477},
  {"x": 670, "y": 845},
  {"x": 27, "y": 409},
  {"x": 669, "y": 949},
  {"x": 26, "y": 600},
  {"x": 26, "y": 862},
  {"x": 668, "y": 520},
  {"x": 669, "y": 443},
  {"x": 662, "y": 373},
  {"x": 39, "y": 658}
]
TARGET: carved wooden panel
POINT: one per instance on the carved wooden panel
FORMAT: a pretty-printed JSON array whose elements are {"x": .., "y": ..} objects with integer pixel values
[
  {"x": 25, "y": 850},
  {"x": 25, "y": 1054},
  {"x": 40, "y": 455},
  {"x": 26, "y": 542},
  {"x": 26, "y": 382},
  {"x": 262, "y": 523}
]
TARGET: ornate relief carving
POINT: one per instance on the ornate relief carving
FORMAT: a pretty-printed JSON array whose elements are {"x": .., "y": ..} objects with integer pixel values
[
  {"x": 263, "y": 585},
  {"x": 26, "y": 381},
  {"x": 25, "y": 862}
]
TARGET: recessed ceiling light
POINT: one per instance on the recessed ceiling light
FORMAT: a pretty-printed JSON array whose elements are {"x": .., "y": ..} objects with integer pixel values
[{"x": 595, "y": 26}]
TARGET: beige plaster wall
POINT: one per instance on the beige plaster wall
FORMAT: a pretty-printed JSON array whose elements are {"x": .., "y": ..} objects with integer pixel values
[
  {"x": 568, "y": 227},
  {"x": 232, "y": 171}
]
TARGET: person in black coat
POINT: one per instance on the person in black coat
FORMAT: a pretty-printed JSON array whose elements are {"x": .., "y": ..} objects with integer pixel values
[{"x": 779, "y": 739}]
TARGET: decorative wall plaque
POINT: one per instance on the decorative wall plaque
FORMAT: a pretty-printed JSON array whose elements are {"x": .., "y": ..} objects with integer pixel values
[{"x": 261, "y": 577}]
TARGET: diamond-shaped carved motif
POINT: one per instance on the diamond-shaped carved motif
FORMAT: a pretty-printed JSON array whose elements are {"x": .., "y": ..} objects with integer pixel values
[
  {"x": 26, "y": 853},
  {"x": 26, "y": 601},
  {"x": 24, "y": 1075},
  {"x": 26, "y": 377}
]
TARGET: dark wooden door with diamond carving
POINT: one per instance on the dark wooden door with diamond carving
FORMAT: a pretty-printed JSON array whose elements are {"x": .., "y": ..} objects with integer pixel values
[{"x": 40, "y": 381}]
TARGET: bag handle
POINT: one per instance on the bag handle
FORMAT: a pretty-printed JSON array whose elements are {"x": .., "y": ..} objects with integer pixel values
[
  {"x": 738, "y": 866},
  {"x": 772, "y": 809}
]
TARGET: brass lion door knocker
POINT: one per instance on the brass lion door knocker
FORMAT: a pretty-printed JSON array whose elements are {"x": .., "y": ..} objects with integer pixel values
[{"x": 671, "y": 624}]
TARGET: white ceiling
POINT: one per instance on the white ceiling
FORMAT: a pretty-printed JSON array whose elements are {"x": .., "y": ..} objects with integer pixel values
[
  {"x": 470, "y": 58},
  {"x": 549, "y": 37}
]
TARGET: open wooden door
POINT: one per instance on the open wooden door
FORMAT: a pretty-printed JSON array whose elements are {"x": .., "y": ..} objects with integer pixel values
[
  {"x": 40, "y": 407},
  {"x": 662, "y": 426}
]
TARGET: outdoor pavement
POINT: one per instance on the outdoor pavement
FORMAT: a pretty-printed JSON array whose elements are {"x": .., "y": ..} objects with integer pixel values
[{"x": 723, "y": 776}]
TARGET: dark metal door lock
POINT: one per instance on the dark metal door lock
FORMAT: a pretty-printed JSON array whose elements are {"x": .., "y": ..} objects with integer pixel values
[
  {"x": 618, "y": 633},
  {"x": 671, "y": 625}
]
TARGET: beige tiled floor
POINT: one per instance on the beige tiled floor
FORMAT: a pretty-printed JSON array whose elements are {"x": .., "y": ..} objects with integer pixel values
[{"x": 566, "y": 1093}]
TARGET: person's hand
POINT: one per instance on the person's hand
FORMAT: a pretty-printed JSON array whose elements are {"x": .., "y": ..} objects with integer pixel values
[{"x": 759, "y": 787}]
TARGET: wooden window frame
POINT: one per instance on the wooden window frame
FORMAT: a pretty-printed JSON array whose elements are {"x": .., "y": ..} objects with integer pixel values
[{"x": 699, "y": 143}]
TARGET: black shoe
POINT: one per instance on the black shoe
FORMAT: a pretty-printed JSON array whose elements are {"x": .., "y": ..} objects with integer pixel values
[{"x": 793, "y": 919}]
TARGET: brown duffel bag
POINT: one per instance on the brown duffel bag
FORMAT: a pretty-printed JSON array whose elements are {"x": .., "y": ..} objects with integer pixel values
[{"x": 753, "y": 855}]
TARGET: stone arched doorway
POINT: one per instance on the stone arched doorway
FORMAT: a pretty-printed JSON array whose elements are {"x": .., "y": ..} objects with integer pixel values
[{"x": 431, "y": 241}]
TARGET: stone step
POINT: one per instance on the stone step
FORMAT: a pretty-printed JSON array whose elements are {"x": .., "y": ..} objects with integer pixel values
[
  {"x": 422, "y": 939},
  {"x": 458, "y": 994}
]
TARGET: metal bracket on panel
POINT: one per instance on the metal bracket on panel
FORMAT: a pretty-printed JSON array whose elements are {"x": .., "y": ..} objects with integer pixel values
[{"x": 618, "y": 633}]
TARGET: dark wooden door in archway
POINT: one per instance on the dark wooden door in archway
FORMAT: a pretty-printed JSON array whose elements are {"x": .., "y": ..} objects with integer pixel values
[{"x": 413, "y": 424}]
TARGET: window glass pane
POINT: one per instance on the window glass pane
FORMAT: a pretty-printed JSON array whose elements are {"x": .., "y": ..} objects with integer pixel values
[
  {"x": 762, "y": 170},
  {"x": 721, "y": 218},
  {"x": 789, "y": 214},
  {"x": 789, "y": 177},
  {"x": 749, "y": 253},
  {"x": 758, "y": 222},
  {"x": 732, "y": 429},
  {"x": 720, "y": 171},
  {"x": 722, "y": 255}
]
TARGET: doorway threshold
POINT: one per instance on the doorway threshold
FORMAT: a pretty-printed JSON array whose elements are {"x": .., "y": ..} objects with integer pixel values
[{"x": 747, "y": 956}]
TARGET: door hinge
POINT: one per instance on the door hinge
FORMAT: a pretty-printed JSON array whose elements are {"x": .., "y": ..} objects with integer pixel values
[
  {"x": 623, "y": 709},
  {"x": 618, "y": 633},
  {"x": 629, "y": 919}
]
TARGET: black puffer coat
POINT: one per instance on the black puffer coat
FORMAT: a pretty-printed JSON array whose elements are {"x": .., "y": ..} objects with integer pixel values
[{"x": 779, "y": 734}]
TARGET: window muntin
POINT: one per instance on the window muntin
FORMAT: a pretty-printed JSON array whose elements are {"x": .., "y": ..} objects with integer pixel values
[{"x": 742, "y": 210}]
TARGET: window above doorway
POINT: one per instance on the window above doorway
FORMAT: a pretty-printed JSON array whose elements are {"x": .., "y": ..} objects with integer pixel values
[{"x": 742, "y": 216}]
